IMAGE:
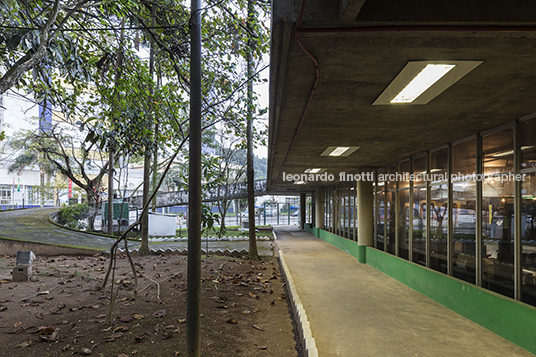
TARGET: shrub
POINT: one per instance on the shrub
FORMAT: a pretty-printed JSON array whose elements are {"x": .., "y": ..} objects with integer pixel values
[{"x": 73, "y": 216}]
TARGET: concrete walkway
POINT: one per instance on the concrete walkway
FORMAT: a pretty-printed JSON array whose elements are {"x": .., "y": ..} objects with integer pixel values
[
  {"x": 33, "y": 226},
  {"x": 354, "y": 310}
]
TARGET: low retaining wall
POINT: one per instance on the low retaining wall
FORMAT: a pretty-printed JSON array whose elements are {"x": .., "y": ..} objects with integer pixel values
[{"x": 10, "y": 247}]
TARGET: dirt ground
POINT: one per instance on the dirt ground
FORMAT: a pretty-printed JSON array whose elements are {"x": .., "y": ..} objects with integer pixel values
[{"x": 62, "y": 311}]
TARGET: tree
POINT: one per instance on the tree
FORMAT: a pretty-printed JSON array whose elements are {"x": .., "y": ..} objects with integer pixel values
[{"x": 61, "y": 154}]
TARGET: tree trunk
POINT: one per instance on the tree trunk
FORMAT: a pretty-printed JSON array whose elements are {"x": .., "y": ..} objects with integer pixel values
[{"x": 253, "y": 254}]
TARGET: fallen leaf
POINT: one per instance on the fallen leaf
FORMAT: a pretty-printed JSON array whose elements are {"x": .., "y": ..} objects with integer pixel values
[
  {"x": 100, "y": 316},
  {"x": 167, "y": 335},
  {"x": 120, "y": 329},
  {"x": 16, "y": 331},
  {"x": 253, "y": 296},
  {"x": 39, "y": 315},
  {"x": 86, "y": 351},
  {"x": 3, "y": 308},
  {"x": 17, "y": 324},
  {"x": 261, "y": 347},
  {"x": 122, "y": 355},
  {"x": 181, "y": 321},
  {"x": 255, "y": 326},
  {"x": 46, "y": 292},
  {"x": 5, "y": 281},
  {"x": 161, "y": 313},
  {"x": 232, "y": 321},
  {"x": 137, "y": 316},
  {"x": 255, "y": 310},
  {"x": 25, "y": 344},
  {"x": 114, "y": 337},
  {"x": 66, "y": 347},
  {"x": 128, "y": 319},
  {"x": 140, "y": 338}
]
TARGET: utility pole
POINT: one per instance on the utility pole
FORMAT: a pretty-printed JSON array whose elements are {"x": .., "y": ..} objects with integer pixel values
[
  {"x": 250, "y": 172},
  {"x": 193, "y": 323}
]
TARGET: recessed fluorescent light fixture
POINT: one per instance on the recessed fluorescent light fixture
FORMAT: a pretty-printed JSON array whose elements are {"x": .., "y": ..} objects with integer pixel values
[
  {"x": 313, "y": 171},
  {"x": 421, "y": 81},
  {"x": 341, "y": 151},
  {"x": 424, "y": 80}
]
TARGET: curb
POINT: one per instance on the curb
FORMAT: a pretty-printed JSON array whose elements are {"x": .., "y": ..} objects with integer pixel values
[{"x": 304, "y": 329}]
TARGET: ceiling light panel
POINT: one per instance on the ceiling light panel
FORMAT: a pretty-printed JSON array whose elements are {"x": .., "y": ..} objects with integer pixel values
[
  {"x": 421, "y": 81},
  {"x": 339, "y": 151}
]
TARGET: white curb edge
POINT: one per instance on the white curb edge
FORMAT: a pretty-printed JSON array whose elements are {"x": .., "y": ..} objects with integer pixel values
[{"x": 304, "y": 330}]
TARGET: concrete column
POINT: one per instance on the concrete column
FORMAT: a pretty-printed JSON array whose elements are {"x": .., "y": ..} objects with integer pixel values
[
  {"x": 365, "y": 219},
  {"x": 302, "y": 210},
  {"x": 319, "y": 207}
]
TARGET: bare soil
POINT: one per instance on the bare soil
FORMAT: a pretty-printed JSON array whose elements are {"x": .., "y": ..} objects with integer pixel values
[{"x": 62, "y": 310}]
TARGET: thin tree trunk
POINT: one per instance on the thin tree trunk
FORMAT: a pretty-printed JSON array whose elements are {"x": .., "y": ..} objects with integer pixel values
[{"x": 144, "y": 248}]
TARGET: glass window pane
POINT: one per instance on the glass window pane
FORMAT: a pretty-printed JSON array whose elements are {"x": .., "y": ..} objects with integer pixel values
[
  {"x": 419, "y": 170},
  {"x": 403, "y": 224},
  {"x": 463, "y": 210},
  {"x": 464, "y": 158},
  {"x": 528, "y": 238},
  {"x": 391, "y": 177},
  {"x": 419, "y": 225},
  {"x": 381, "y": 220},
  {"x": 528, "y": 148},
  {"x": 403, "y": 170},
  {"x": 439, "y": 165},
  {"x": 498, "y": 213},
  {"x": 390, "y": 219},
  {"x": 498, "y": 152},
  {"x": 464, "y": 230},
  {"x": 438, "y": 227}
]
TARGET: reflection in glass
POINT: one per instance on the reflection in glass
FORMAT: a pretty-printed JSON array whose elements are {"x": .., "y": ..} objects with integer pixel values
[
  {"x": 528, "y": 238},
  {"x": 528, "y": 147},
  {"x": 463, "y": 210},
  {"x": 419, "y": 170},
  {"x": 381, "y": 220},
  {"x": 403, "y": 177},
  {"x": 498, "y": 213},
  {"x": 390, "y": 219},
  {"x": 419, "y": 225},
  {"x": 464, "y": 230},
  {"x": 438, "y": 227},
  {"x": 438, "y": 166},
  {"x": 403, "y": 223}
]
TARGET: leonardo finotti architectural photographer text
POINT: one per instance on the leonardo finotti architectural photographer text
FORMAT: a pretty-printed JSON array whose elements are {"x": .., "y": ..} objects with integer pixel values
[{"x": 403, "y": 176}]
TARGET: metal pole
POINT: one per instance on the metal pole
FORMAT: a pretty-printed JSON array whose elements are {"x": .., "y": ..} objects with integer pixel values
[{"x": 193, "y": 328}]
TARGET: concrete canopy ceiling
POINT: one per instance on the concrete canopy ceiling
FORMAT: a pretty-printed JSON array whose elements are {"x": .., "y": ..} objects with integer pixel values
[{"x": 360, "y": 47}]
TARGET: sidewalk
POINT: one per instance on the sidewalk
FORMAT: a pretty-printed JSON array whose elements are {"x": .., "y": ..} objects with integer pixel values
[{"x": 354, "y": 310}]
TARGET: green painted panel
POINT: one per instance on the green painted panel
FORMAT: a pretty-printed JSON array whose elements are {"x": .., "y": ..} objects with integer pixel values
[{"x": 511, "y": 319}]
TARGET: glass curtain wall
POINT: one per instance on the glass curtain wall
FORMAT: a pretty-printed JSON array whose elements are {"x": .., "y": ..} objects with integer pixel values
[{"x": 463, "y": 211}]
